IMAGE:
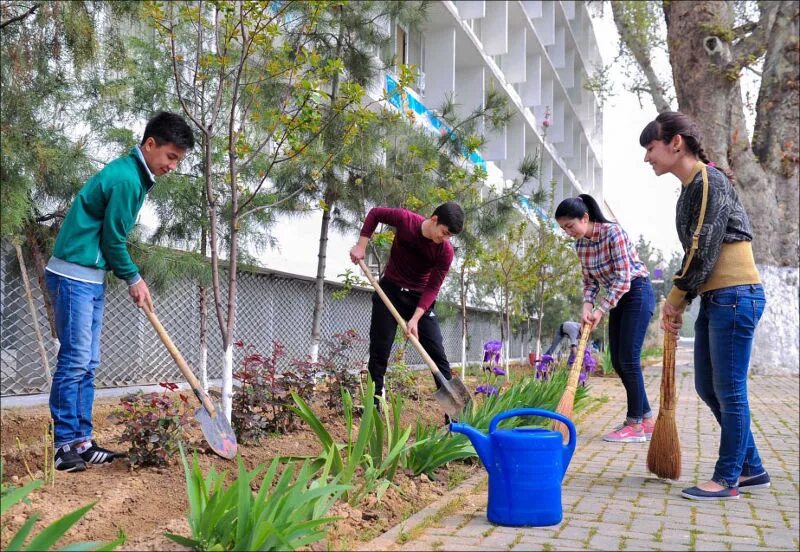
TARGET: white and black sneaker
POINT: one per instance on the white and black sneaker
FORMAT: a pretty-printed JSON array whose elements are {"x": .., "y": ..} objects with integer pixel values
[
  {"x": 99, "y": 455},
  {"x": 66, "y": 459}
]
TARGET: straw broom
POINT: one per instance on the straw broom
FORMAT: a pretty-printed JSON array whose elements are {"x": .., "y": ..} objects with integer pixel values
[
  {"x": 567, "y": 402},
  {"x": 664, "y": 454}
]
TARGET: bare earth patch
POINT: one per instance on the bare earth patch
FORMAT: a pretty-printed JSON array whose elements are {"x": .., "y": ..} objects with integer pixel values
[{"x": 146, "y": 502}]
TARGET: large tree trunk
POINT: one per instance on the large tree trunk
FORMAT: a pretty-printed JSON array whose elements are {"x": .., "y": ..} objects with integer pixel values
[
  {"x": 706, "y": 68},
  {"x": 707, "y": 54}
]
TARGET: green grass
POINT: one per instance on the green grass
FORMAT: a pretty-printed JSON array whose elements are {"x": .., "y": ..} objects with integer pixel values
[
  {"x": 456, "y": 474},
  {"x": 451, "y": 507}
]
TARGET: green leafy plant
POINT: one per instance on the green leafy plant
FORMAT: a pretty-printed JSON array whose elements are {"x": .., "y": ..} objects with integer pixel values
[
  {"x": 47, "y": 537},
  {"x": 335, "y": 367},
  {"x": 434, "y": 447},
  {"x": 287, "y": 512},
  {"x": 400, "y": 378},
  {"x": 363, "y": 450},
  {"x": 606, "y": 368},
  {"x": 261, "y": 404},
  {"x": 153, "y": 425}
]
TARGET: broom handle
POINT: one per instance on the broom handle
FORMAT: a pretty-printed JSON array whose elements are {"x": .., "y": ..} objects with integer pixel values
[
  {"x": 668, "y": 373},
  {"x": 575, "y": 371}
]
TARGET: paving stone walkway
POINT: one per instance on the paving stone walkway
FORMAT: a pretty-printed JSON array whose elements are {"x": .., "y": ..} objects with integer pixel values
[{"x": 611, "y": 501}]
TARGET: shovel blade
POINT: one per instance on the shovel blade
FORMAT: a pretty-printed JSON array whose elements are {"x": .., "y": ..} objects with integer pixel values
[
  {"x": 217, "y": 431},
  {"x": 453, "y": 396}
]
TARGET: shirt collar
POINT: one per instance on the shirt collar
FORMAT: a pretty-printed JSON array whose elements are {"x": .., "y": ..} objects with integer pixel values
[
  {"x": 140, "y": 156},
  {"x": 696, "y": 169}
]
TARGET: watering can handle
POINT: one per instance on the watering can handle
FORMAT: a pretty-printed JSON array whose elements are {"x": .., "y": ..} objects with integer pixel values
[{"x": 538, "y": 412}]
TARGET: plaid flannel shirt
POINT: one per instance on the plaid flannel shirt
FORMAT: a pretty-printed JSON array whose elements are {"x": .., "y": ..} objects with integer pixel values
[{"x": 608, "y": 258}]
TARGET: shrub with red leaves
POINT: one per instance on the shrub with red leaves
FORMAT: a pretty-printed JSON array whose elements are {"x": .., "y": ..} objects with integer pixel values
[{"x": 153, "y": 425}]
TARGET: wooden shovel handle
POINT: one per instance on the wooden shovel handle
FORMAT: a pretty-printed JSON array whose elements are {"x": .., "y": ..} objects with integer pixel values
[
  {"x": 386, "y": 301},
  {"x": 575, "y": 371},
  {"x": 180, "y": 361}
]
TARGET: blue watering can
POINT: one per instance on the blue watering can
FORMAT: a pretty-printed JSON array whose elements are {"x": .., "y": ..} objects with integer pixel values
[{"x": 526, "y": 467}]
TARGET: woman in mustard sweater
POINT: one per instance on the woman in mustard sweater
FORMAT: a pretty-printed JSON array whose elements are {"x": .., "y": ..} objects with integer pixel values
[{"x": 718, "y": 266}]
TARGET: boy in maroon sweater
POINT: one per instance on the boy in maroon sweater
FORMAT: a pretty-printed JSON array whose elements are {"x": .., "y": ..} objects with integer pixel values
[{"x": 419, "y": 260}]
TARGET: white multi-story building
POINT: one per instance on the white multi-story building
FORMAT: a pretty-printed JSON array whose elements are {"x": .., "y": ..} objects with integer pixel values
[{"x": 539, "y": 54}]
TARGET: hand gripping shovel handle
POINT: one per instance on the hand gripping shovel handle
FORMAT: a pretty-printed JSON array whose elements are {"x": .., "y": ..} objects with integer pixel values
[
  {"x": 181, "y": 362},
  {"x": 417, "y": 345}
]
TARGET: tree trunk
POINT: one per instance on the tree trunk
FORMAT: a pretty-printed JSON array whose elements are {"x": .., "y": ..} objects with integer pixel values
[
  {"x": 329, "y": 200},
  {"x": 319, "y": 282},
  {"x": 767, "y": 172},
  {"x": 38, "y": 262}
]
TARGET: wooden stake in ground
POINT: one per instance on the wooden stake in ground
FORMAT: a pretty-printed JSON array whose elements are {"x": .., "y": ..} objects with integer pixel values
[
  {"x": 34, "y": 317},
  {"x": 567, "y": 402},
  {"x": 664, "y": 454}
]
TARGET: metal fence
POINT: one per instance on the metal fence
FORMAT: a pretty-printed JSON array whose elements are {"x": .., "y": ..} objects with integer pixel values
[{"x": 270, "y": 306}]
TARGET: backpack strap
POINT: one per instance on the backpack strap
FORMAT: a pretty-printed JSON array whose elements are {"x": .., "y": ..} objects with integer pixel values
[{"x": 696, "y": 235}]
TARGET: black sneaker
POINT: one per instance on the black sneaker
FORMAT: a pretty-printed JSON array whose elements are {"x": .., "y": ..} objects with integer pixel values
[
  {"x": 99, "y": 455},
  {"x": 66, "y": 459},
  {"x": 760, "y": 481}
]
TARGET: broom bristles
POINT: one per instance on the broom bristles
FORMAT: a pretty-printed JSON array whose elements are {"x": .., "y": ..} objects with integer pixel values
[{"x": 664, "y": 454}]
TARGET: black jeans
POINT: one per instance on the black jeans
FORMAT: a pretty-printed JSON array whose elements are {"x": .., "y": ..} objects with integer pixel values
[
  {"x": 627, "y": 326},
  {"x": 383, "y": 327}
]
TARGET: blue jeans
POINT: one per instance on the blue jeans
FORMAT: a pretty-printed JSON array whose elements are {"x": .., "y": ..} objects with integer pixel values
[
  {"x": 722, "y": 344},
  {"x": 627, "y": 327},
  {"x": 78, "y": 310}
]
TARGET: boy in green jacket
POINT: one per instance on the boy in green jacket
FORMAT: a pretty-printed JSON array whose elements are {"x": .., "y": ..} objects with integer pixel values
[{"x": 91, "y": 241}]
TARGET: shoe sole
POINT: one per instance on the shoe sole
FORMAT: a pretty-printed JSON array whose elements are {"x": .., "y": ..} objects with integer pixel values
[
  {"x": 754, "y": 487},
  {"x": 709, "y": 498},
  {"x": 77, "y": 468},
  {"x": 626, "y": 440}
]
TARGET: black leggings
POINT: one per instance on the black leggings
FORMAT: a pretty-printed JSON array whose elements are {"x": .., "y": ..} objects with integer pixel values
[{"x": 383, "y": 328}]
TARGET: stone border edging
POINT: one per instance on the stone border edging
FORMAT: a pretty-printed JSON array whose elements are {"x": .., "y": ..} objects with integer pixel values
[{"x": 388, "y": 540}]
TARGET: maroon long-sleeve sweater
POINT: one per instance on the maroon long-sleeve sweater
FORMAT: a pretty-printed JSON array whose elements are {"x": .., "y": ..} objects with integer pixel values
[{"x": 415, "y": 262}]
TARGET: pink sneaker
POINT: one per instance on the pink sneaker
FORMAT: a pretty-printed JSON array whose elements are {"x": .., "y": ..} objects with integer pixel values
[
  {"x": 648, "y": 430},
  {"x": 625, "y": 434}
]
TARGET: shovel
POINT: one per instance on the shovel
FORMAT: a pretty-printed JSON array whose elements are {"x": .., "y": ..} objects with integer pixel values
[
  {"x": 453, "y": 394},
  {"x": 215, "y": 426}
]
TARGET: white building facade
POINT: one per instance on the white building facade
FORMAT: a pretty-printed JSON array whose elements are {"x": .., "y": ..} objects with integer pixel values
[{"x": 539, "y": 54}]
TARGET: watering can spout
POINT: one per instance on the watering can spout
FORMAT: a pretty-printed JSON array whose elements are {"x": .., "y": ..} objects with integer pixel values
[{"x": 479, "y": 441}]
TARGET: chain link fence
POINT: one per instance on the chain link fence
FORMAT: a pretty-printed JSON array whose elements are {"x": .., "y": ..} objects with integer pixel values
[{"x": 271, "y": 306}]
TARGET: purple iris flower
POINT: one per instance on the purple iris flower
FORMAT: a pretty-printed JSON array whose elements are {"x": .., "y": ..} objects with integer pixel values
[
  {"x": 498, "y": 371},
  {"x": 488, "y": 390},
  {"x": 544, "y": 366}
]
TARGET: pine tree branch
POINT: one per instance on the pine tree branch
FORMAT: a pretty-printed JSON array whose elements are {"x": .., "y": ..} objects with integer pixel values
[{"x": 20, "y": 17}]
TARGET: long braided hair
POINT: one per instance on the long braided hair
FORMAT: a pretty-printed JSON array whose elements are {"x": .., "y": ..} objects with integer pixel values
[{"x": 672, "y": 123}]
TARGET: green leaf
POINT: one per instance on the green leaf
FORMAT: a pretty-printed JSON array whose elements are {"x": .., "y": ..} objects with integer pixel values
[
  {"x": 16, "y": 495},
  {"x": 19, "y": 538},
  {"x": 50, "y": 534}
]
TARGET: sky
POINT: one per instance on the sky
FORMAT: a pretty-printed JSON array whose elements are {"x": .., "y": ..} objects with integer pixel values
[{"x": 643, "y": 203}]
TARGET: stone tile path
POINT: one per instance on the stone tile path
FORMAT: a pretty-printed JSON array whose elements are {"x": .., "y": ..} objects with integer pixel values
[{"x": 611, "y": 501}]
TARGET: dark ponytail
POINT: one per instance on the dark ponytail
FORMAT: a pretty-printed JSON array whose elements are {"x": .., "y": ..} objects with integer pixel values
[
  {"x": 673, "y": 123},
  {"x": 576, "y": 207}
]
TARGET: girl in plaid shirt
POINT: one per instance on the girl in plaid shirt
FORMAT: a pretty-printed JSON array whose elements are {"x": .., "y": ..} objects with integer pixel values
[{"x": 610, "y": 261}]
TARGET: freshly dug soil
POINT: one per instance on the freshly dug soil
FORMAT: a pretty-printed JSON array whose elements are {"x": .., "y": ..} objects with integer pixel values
[{"x": 146, "y": 502}]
